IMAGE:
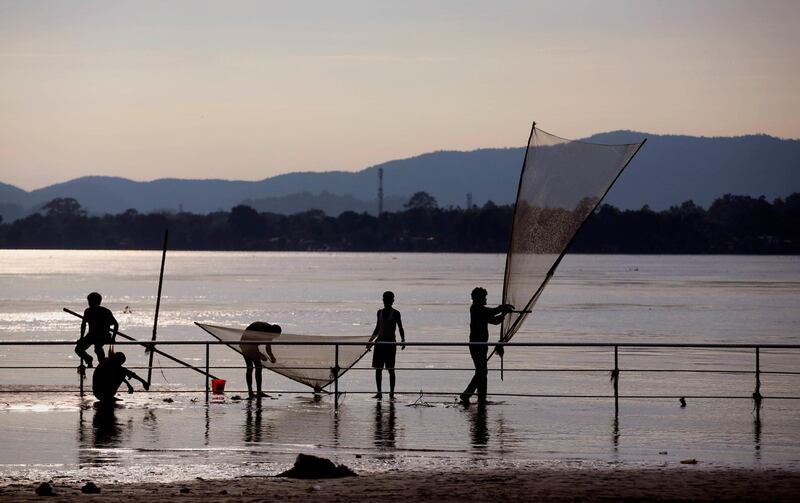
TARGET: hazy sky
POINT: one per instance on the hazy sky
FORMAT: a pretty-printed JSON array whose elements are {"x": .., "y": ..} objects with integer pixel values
[{"x": 248, "y": 90}]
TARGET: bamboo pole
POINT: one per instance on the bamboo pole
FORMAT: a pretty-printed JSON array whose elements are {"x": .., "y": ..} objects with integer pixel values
[{"x": 158, "y": 305}]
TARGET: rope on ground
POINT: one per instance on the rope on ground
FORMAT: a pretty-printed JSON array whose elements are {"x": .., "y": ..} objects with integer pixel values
[{"x": 420, "y": 402}]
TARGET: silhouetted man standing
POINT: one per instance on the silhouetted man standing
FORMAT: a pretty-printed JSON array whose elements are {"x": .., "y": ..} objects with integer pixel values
[
  {"x": 479, "y": 318},
  {"x": 384, "y": 355}
]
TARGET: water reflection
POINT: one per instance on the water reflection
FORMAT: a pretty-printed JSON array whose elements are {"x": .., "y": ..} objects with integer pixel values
[
  {"x": 207, "y": 432},
  {"x": 615, "y": 432},
  {"x": 757, "y": 434},
  {"x": 106, "y": 428},
  {"x": 479, "y": 432},
  {"x": 98, "y": 441},
  {"x": 502, "y": 431},
  {"x": 150, "y": 424},
  {"x": 335, "y": 425},
  {"x": 253, "y": 427},
  {"x": 385, "y": 428}
]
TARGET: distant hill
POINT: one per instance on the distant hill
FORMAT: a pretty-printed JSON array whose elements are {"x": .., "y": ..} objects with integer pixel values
[
  {"x": 668, "y": 170},
  {"x": 12, "y": 202},
  {"x": 671, "y": 169}
]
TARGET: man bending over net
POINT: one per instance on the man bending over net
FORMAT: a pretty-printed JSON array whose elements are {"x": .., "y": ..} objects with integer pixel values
[{"x": 253, "y": 357}]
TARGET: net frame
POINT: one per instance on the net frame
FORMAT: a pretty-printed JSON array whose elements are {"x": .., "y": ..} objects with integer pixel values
[{"x": 583, "y": 210}]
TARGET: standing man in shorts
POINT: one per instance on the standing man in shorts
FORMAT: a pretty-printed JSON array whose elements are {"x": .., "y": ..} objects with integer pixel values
[
  {"x": 100, "y": 322},
  {"x": 384, "y": 355}
]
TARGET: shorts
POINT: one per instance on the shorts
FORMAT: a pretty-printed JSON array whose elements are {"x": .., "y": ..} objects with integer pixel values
[
  {"x": 96, "y": 340},
  {"x": 253, "y": 362},
  {"x": 383, "y": 356}
]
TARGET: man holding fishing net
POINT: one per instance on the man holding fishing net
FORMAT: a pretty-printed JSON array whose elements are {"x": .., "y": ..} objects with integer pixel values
[{"x": 480, "y": 317}]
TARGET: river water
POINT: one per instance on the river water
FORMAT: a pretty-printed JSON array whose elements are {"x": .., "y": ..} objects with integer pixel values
[{"x": 173, "y": 433}]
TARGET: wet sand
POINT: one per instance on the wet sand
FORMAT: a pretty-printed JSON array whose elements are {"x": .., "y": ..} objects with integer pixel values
[{"x": 684, "y": 483}]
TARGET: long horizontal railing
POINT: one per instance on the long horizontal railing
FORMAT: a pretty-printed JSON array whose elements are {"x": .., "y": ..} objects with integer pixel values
[
  {"x": 424, "y": 343},
  {"x": 756, "y": 371}
]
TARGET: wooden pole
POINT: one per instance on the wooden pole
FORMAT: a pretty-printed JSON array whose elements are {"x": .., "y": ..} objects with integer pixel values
[{"x": 158, "y": 305}]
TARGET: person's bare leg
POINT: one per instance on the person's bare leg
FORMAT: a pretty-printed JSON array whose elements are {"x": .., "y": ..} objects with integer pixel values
[
  {"x": 84, "y": 356},
  {"x": 259, "y": 393},
  {"x": 98, "y": 350},
  {"x": 378, "y": 378},
  {"x": 391, "y": 383},
  {"x": 249, "y": 378}
]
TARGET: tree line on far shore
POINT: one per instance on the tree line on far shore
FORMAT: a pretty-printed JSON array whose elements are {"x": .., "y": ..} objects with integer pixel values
[{"x": 731, "y": 225}]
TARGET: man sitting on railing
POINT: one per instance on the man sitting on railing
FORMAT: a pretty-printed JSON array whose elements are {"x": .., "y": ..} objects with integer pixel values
[
  {"x": 100, "y": 322},
  {"x": 109, "y": 376}
]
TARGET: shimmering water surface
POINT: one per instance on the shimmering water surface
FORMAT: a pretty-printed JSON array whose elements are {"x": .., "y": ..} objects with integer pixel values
[{"x": 622, "y": 299}]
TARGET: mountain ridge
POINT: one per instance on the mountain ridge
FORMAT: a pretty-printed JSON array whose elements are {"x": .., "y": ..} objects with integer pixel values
[{"x": 670, "y": 169}]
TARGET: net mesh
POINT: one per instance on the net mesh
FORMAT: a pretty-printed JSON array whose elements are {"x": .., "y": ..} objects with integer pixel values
[
  {"x": 308, "y": 364},
  {"x": 561, "y": 183}
]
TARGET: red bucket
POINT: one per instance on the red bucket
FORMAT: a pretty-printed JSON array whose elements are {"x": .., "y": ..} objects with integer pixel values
[{"x": 218, "y": 386}]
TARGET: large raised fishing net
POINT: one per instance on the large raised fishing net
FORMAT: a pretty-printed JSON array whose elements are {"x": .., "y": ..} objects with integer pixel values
[
  {"x": 307, "y": 363},
  {"x": 561, "y": 183}
]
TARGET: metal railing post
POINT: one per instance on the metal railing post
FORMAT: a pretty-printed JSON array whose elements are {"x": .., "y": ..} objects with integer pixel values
[
  {"x": 757, "y": 393},
  {"x": 82, "y": 375},
  {"x": 208, "y": 346},
  {"x": 615, "y": 378},
  {"x": 336, "y": 380}
]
